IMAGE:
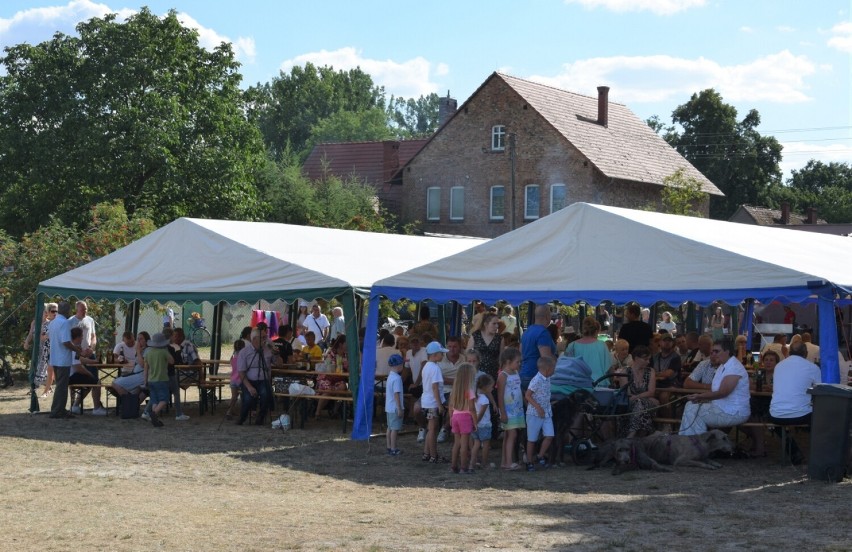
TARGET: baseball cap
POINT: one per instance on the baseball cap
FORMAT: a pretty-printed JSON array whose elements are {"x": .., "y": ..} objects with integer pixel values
[
  {"x": 435, "y": 347},
  {"x": 395, "y": 360}
]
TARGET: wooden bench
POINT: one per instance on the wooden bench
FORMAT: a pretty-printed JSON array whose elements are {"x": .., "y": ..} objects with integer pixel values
[
  {"x": 74, "y": 388},
  {"x": 343, "y": 396}
]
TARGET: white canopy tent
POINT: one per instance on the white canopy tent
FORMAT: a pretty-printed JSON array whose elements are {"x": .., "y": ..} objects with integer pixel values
[
  {"x": 219, "y": 260},
  {"x": 595, "y": 253}
]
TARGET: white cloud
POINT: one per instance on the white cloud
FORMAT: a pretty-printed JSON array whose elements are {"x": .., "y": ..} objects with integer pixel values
[
  {"x": 659, "y": 7},
  {"x": 785, "y": 29},
  {"x": 409, "y": 79},
  {"x": 842, "y": 39},
  {"x": 776, "y": 78},
  {"x": 39, "y": 24},
  {"x": 746, "y": 29},
  {"x": 797, "y": 154}
]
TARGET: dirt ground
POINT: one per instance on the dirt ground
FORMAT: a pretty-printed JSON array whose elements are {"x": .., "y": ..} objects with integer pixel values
[{"x": 206, "y": 484}]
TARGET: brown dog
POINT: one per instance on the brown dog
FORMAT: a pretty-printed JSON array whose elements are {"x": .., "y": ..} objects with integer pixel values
[
  {"x": 628, "y": 455},
  {"x": 687, "y": 450}
]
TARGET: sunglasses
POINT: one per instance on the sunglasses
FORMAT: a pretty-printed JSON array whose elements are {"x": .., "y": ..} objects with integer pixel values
[{"x": 53, "y": 312}]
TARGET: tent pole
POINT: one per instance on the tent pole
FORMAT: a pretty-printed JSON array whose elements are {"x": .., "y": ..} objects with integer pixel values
[
  {"x": 828, "y": 364},
  {"x": 216, "y": 345},
  {"x": 36, "y": 352},
  {"x": 364, "y": 398},
  {"x": 350, "y": 317},
  {"x": 442, "y": 324}
]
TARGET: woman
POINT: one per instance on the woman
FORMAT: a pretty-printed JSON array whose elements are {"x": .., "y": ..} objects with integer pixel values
[
  {"x": 133, "y": 381},
  {"x": 44, "y": 371},
  {"x": 589, "y": 348},
  {"x": 742, "y": 352},
  {"x": 667, "y": 324},
  {"x": 488, "y": 343},
  {"x": 640, "y": 393},
  {"x": 303, "y": 314},
  {"x": 726, "y": 404},
  {"x": 717, "y": 325}
]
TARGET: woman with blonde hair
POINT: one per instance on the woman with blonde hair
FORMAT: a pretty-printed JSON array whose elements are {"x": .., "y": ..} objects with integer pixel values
[{"x": 44, "y": 371}]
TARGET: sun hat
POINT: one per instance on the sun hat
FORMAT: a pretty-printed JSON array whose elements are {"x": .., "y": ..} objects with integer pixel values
[{"x": 158, "y": 340}]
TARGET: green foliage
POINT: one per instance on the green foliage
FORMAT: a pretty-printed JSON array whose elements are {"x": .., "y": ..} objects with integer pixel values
[
  {"x": 414, "y": 118},
  {"x": 825, "y": 186},
  {"x": 732, "y": 154},
  {"x": 56, "y": 248},
  {"x": 681, "y": 194},
  {"x": 288, "y": 108},
  {"x": 135, "y": 111},
  {"x": 350, "y": 126}
]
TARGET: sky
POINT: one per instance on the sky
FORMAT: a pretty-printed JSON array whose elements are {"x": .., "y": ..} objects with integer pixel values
[{"x": 789, "y": 59}]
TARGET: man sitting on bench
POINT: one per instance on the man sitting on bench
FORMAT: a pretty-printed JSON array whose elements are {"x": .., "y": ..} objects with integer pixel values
[
  {"x": 81, "y": 375},
  {"x": 791, "y": 404}
]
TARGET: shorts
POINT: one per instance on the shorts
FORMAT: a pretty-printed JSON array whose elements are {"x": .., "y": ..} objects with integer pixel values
[
  {"x": 536, "y": 425},
  {"x": 159, "y": 391},
  {"x": 431, "y": 413},
  {"x": 462, "y": 422},
  {"x": 483, "y": 433},
  {"x": 78, "y": 378},
  {"x": 394, "y": 421}
]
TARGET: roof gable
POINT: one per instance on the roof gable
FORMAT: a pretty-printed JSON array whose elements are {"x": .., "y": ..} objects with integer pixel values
[
  {"x": 765, "y": 216},
  {"x": 374, "y": 162}
]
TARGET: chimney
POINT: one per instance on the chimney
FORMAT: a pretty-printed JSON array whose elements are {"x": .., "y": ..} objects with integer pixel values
[
  {"x": 785, "y": 213},
  {"x": 812, "y": 216},
  {"x": 446, "y": 109},
  {"x": 603, "y": 106}
]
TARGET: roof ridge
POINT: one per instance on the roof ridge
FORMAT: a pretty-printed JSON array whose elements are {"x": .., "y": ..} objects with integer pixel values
[{"x": 532, "y": 82}]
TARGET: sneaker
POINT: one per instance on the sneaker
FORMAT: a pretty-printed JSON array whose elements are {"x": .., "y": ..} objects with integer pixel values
[
  {"x": 421, "y": 435},
  {"x": 100, "y": 411},
  {"x": 442, "y": 435},
  {"x": 76, "y": 409},
  {"x": 395, "y": 452},
  {"x": 145, "y": 416},
  {"x": 530, "y": 467},
  {"x": 542, "y": 463},
  {"x": 182, "y": 418}
]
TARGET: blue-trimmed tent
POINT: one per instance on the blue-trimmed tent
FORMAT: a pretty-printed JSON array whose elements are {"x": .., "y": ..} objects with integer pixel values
[
  {"x": 220, "y": 260},
  {"x": 595, "y": 253}
]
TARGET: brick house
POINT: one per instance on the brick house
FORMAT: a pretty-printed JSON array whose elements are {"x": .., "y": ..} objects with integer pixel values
[
  {"x": 552, "y": 146},
  {"x": 785, "y": 218}
]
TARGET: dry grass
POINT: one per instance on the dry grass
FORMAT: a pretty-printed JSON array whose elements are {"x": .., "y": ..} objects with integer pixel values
[{"x": 111, "y": 484}]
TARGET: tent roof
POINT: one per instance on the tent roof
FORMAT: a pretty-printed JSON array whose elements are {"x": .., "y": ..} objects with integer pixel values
[
  {"x": 596, "y": 253},
  {"x": 216, "y": 259}
]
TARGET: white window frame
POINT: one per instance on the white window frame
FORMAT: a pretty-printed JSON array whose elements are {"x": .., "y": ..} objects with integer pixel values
[
  {"x": 454, "y": 191},
  {"x": 554, "y": 187},
  {"x": 527, "y": 189},
  {"x": 491, "y": 214},
  {"x": 498, "y": 138},
  {"x": 433, "y": 200}
]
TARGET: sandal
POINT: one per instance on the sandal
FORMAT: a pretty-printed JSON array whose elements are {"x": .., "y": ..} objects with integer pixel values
[
  {"x": 425, "y": 457},
  {"x": 438, "y": 460},
  {"x": 514, "y": 467}
]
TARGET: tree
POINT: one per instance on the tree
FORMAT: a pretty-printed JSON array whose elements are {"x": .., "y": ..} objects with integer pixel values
[
  {"x": 681, "y": 194},
  {"x": 136, "y": 111},
  {"x": 350, "y": 126},
  {"x": 730, "y": 153},
  {"x": 414, "y": 118},
  {"x": 827, "y": 187},
  {"x": 287, "y": 109}
]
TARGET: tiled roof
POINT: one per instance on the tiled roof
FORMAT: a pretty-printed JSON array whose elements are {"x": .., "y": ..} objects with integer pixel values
[
  {"x": 627, "y": 148},
  {"x": 763, "y": 216},
  {"x": 374, "y": 162}
]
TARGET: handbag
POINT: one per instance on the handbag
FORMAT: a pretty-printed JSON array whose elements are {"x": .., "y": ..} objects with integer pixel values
[{"x": 128, "y": 406}]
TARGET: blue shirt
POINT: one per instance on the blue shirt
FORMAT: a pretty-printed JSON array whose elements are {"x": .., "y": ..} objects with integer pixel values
[
  {"x": 536, "y": 336},
  {"x": 59, "y": 333}
]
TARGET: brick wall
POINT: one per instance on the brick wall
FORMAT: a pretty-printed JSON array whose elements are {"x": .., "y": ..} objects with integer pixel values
[{"x": 461, "y": 155}]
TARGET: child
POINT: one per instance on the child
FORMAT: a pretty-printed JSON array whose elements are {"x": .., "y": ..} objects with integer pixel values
[
  {"x": 511, "y": 403},
  {"x": 235, "y": 379},
  {"x": 393, "y": 402},
  {"x": 539, "y": 412},
  {"x": 482, "y": 435},
  {"x": 311, "y": 351},
  {"x": 431, "y": 400},
  {"x": 157, "y": 361},
  {"x": 462, "y": 415}
]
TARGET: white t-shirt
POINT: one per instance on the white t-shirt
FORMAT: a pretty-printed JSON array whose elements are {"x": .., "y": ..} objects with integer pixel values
[
  {"x": 87, "y": 324},
  {"x": 449, "y": 369},
  {"x": 737, "y": 403},
  {"x": 415, "y": 361},
  {"x": 317, "y": 325},
  {"x": 129, "y": 353},
  {"x": 394, "y": 385},
  {"x": 793, "y": 376},
  {"x": 431, "y": 374},
  {"x": 382, "y": 356},
  {"x": 482, "y": 400}
]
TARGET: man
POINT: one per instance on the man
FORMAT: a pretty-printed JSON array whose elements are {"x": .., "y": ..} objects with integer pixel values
[
  {"x": 338, "y": 324},
  {"x": 681, "y": 348},
  {"x": 284, "y": 343},
  {"x": 634, "y": 330},
  {"x": 666, "y": 365},
  {"x": 535, "y": 344},
  {"x": 169, "y": 318},
  {"x": 779, "y": 345},
  {"x": 449, "y": 367},
  {"x": 318, "y": 323},
  {"x": 694, "y": 353},
  {"x": 254, "y": 363},
  {"x": 791, "y": 404},
  {"x": 61, "y": 351},
  {"x": 510, "y": 320},
  {"x": 813, "y": 348},
  {"x": 702, "y": 376},
  {"x": 86, "y": 323}
]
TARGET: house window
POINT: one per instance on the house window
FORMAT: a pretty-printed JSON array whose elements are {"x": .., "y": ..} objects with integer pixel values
[
  {"x": 433, "y": 203},
  {"x": 498, "y": 202},
  {"x": 558, "y": 197},
  {"x": 498, "y": 138},
  {"x": 531, "y": 202},
  {"x": 457, "y": 203}
]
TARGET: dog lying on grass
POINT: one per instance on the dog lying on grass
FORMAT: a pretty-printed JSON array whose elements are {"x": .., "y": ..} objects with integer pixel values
[
  {"x": 628, "y": 455},
  {"x": 686, "y": 450}
]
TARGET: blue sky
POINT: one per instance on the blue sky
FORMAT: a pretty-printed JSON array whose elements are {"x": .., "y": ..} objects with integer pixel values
[{"x": 788, "y": 59}]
